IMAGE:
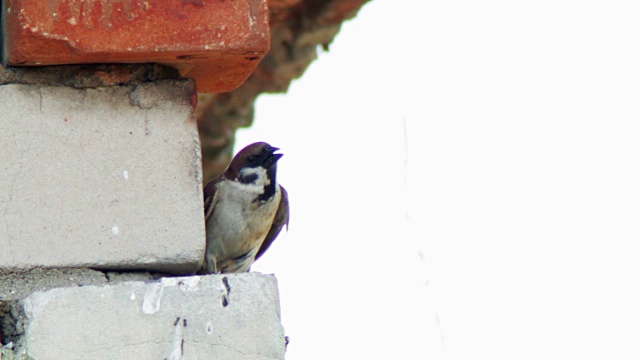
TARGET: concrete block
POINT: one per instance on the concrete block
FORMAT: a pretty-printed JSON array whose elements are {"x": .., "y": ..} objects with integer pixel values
[
  {"x": 218, "y": 43},
  {"x": 228, "y": 317},
  {"x": 106, "y": 178}
]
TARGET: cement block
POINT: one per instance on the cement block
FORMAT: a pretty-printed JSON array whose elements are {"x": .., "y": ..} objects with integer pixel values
[
  {"x": 228, "y": 317},
  {"x": 104, "y": 178}
]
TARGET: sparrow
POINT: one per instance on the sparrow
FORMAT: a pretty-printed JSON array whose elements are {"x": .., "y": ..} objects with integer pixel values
[{"x": 244, "y": 209}]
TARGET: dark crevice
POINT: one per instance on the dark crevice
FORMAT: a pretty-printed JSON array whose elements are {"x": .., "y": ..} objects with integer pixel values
[{"x": 225, "y": 294}]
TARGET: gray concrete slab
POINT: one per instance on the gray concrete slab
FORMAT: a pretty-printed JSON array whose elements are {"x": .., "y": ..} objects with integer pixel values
[
  {"x": 230, "y": 317},
  {"x": 106, "y": 177}
]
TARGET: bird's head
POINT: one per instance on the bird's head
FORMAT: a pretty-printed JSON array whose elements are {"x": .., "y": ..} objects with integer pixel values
[{"x": 255, "y": 164}]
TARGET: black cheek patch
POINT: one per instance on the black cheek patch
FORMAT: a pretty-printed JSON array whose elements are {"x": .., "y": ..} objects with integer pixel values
[{"x": 248, "y": 179}]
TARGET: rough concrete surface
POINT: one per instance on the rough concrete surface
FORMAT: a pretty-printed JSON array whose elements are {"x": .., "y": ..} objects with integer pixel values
[
  {"x": 15, "y": 286},
  {"x": 107, "y": 178},
  {"x": 229, "y": 317},
  {"x": 18, "y": 285},
  {"x": 87, "y": 76}
]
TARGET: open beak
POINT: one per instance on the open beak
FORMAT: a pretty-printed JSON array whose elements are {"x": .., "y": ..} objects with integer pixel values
[{"x": 273, "y": 158}]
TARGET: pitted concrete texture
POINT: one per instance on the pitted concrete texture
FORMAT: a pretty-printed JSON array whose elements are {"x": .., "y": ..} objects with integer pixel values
[
  {"x": 18, "y": 285},
  {"x": 229, "y": 317},
  {"x": 107, "y": 178}
]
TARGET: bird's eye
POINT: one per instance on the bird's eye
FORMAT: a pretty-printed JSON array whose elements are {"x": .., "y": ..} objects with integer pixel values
[{"x": 251, "y": 159}]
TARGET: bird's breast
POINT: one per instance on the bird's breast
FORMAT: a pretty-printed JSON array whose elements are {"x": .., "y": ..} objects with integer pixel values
[{"x": 239, "y": 223}]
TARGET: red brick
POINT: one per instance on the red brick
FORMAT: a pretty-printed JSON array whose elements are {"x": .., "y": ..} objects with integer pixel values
[{"x": 217, "y": 42}]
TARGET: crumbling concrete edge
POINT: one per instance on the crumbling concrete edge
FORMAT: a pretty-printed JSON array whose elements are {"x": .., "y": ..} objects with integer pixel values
[
  {"x": 15, "y": 286},
  {"x": 18, "y": 285},
  {"x": 18, "y": 316},
  {"x": 87, "y": 76}
]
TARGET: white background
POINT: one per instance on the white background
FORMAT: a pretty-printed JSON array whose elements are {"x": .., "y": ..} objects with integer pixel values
[{"x": 465, "y": 183}]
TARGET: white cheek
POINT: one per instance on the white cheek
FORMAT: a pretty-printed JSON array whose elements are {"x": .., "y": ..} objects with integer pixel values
[
  {"x": 262, "y": 180},
  {"x": 247, "y": 188},
  {"x": 254, "y": 188}
]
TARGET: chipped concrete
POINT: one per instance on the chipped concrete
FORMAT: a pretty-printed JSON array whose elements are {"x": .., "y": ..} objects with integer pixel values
[
  {"x": 170, "y": 318},
  {"x": 14, "y": 286},
  {"x": 18, "y": 285}
]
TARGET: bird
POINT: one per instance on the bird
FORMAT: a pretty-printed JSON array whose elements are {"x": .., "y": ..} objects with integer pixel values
[{"x": 244, "y": 209}]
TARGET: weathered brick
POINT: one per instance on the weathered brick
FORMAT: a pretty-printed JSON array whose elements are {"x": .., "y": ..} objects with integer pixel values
[{"x": 217, "y": 42}]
